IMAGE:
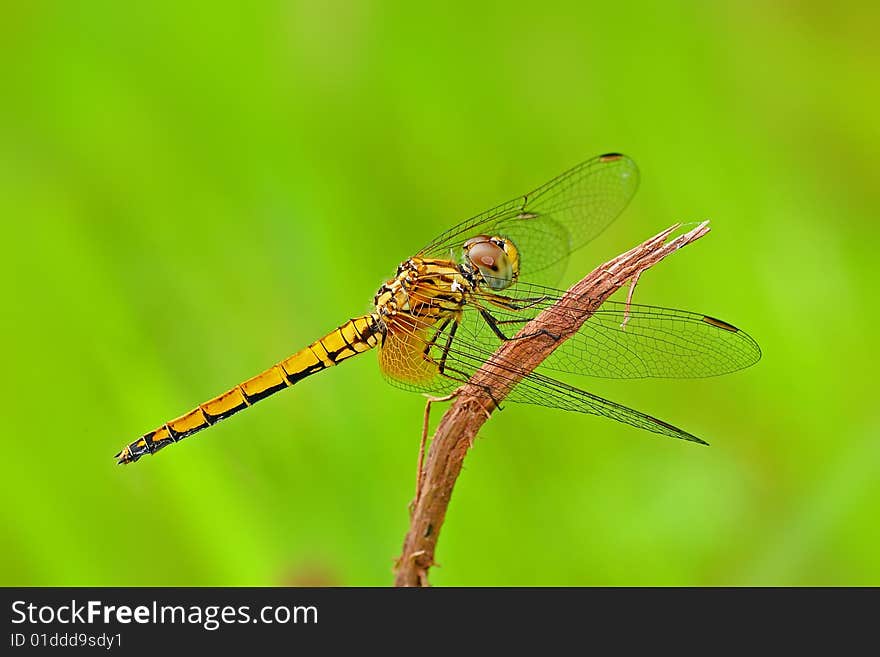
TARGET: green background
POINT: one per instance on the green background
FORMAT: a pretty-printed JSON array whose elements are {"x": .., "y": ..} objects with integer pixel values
[{"x": 189, "y": 195}]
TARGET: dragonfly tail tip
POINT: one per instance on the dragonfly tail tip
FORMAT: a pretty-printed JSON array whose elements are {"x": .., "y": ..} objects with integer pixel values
[{"x": 123, "y": 457}]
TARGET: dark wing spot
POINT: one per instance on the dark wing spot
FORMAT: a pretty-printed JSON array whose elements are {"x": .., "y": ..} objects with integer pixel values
[
  {"x": 610, "y": 157},
  {"x": 718, "y": 323}
]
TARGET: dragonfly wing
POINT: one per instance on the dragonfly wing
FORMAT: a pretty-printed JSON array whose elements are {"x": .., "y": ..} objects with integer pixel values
[
  {"x": 553, "y": 220},
  {"x": 620, "y": 343},
  {"x": 463, "y": 357},
  {"x": 411, "y": 353},
  {"x": 544, "y": 391}
]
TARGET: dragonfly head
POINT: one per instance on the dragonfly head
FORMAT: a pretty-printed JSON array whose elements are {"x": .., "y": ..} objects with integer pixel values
[{"x": 495, "y": 258}]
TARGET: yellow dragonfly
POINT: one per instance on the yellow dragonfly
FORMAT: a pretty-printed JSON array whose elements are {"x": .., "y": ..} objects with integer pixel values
[{"x": 449, "y": 307}]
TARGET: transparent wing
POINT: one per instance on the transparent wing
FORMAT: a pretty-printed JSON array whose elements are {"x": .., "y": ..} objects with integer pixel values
[
  {"x": 413, "y": 357},
  {"x": 544, "y": 391},
  {"x": 655, "y": 342},
  {"x": 550, "y": 222}
]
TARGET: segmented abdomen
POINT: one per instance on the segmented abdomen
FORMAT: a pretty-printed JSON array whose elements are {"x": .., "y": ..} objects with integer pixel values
[{"x": 354, "y": 337}]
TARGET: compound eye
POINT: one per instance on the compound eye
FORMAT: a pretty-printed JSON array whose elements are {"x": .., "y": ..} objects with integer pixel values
[{"x": 491, "y": 261}]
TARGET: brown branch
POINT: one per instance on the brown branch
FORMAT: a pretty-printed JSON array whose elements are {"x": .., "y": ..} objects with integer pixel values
[{"x": 463, "y": 419}]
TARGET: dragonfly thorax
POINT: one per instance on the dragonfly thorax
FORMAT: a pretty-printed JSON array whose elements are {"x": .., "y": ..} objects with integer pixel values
[
  {"x": 493, "y": 261},
  {"x": 424, "y": 288}
]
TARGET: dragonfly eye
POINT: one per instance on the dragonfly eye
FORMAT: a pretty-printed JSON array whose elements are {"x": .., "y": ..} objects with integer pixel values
[{"x": 496, "y": 259}]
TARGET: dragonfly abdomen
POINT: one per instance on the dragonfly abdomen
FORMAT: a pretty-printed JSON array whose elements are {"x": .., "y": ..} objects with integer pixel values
[{"x": 354, "y": 337}]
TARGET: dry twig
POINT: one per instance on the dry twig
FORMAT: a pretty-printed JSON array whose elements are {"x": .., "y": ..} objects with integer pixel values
[{"x": 463, "y": 419}]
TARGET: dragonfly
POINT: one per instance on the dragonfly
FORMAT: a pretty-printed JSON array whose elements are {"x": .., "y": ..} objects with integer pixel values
[{"x": 450, "y": 306}]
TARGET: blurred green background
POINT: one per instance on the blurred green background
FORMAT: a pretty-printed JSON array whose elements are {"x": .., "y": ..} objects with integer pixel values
[{"x": 190, "y": 194}]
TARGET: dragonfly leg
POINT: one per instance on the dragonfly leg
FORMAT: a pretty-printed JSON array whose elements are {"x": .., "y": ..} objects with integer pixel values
[
  {"x": 464, "y": 378},
  {"x": 433, "y": 341},
  {"x": 421, "y": 460},
  {"x": 510, "y": 303},
  {"x": 494, "y": 324},
  {"x": 519, "y": 320},
  {"x": 441, "y": 365}
]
